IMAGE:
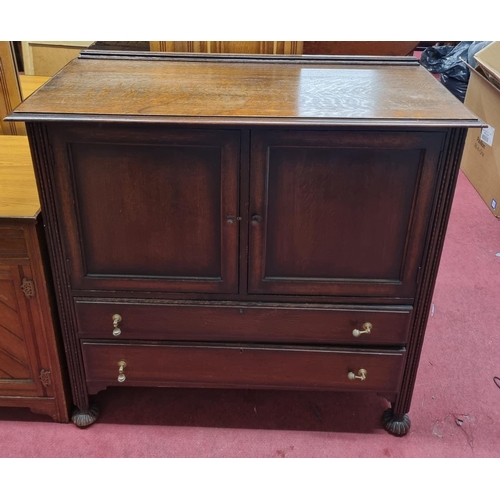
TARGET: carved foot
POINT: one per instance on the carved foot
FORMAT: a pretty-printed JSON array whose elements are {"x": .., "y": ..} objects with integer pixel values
[
  {"x": 396, "y": 424},
  {"x": 84, "y": 418}
]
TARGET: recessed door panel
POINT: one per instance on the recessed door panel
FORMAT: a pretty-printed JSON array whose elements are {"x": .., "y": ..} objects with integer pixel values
[
  {"x": 339, "y": 213},
  {"x": 18, "y": 357},
  {"x": 154, "y": 212}
]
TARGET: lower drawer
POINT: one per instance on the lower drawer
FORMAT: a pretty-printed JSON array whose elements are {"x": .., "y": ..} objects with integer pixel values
[
  {"x": 241, "y": 322},
  {"x": 212, "y": 365}
]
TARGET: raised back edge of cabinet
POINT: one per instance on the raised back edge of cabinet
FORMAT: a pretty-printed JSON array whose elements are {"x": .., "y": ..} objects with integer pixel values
[{"x": 245, "y": 90}]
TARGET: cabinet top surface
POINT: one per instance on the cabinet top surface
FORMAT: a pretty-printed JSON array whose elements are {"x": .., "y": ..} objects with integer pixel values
[
  {"x": 293, "y": 90},
  {"x": 18, "y": 191}
]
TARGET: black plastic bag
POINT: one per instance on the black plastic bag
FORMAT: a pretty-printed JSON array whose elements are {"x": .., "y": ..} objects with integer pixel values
[
  {"x": 443, "y": 58},
  {"x": 456, "y": 86},
  {"x": 449, "y": 63}
]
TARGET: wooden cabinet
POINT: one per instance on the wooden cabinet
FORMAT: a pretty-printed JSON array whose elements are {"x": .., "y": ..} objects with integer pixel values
[
  {"x": 237, "y": 221},
  {"x": 31, "y": 373}
]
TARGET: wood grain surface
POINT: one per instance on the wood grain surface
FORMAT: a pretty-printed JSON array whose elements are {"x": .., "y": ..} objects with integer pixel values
[
  {"x": 30, "y": 83},
  {"x": 18, "y": 192},
  {"x": 229, "y": 88}
]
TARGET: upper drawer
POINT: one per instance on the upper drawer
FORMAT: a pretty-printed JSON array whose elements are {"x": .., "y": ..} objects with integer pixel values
[
  {"x": 241, "y": 323},
  {"x": 12, "y": 243}
]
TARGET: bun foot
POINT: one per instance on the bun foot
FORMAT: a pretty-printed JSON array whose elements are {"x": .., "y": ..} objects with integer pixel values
[
  {"x": 84, "y": 418},
  {"x": 399, "y": 425}
]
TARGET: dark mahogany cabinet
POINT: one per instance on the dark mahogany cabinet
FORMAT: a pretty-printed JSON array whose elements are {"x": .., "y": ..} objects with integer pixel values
[{"x": 245, "y": 221}]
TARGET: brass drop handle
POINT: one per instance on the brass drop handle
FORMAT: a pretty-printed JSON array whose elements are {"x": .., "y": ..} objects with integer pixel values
[
  {"x": 116, "y": 319},
  {"x": 121, "y": 366},
  {"x": 361, "y": 375},
  {"x": 367, "y": 329}
]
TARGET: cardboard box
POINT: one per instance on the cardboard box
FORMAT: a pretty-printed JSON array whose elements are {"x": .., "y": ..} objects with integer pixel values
[
  {"x": 481, "y": 157},
  {"x": 488, "y": 60}
]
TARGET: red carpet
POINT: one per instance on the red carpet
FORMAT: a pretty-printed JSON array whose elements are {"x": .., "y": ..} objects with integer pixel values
[{"x": 456, "y": 405}]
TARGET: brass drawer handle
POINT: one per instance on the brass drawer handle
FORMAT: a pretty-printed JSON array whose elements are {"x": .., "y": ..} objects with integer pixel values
[
  {"x": 116, "y": 319},
  {"x": 367, "y": 329},
  {"x": 361, "y": 375},
  {"x": 121, "y": 367}
]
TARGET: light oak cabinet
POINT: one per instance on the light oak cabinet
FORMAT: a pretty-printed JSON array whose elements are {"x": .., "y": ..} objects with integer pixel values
[{"x": 32, "y": 367}]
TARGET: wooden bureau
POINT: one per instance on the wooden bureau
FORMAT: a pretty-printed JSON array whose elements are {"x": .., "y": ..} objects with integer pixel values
[
  {"x": 31, "y": 372},
  {"x": 245, "y": 221}
]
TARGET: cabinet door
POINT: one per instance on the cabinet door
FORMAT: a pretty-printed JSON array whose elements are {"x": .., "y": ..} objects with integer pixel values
[
  {"x": 149, "y": 208},
  {"x": 19, "y": 365},
  {"x": 340, "y": 213}
]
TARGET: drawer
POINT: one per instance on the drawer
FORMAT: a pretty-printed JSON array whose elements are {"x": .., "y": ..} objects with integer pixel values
[
  {"x": 241, "y": 322},
  {"x": 12, "y": 243},
  {"x": 258, "y": 366}
]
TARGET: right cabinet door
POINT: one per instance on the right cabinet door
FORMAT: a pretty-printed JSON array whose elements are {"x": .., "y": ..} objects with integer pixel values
[{"x": 340, "y": 213}]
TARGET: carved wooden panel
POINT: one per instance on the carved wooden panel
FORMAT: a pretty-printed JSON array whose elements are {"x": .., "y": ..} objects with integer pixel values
[{"x": 15, "y": 362}]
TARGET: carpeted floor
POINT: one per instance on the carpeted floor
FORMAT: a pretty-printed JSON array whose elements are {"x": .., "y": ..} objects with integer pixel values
[{"x": 456, "y": 404}]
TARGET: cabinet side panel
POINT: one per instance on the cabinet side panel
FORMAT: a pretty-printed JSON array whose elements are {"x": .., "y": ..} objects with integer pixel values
[
  {"x": 44, "y": 171},
  {"x": 450, "y": 166}
]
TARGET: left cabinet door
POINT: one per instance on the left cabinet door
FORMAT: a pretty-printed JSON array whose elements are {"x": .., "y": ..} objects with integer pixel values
[
  {"x": 19, "y": 356},
  {"x": 148, "y": 208}
]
